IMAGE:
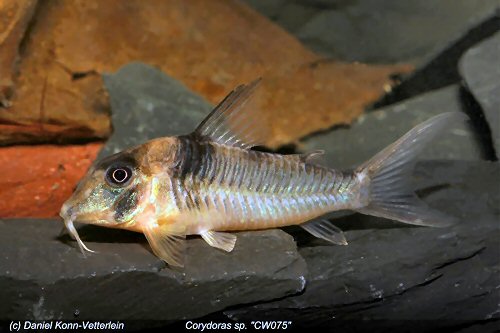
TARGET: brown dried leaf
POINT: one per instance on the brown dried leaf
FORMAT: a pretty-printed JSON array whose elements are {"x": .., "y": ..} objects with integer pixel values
[
  {"x": 212, "y": 46},
  {"x": 14, "y": 18}
]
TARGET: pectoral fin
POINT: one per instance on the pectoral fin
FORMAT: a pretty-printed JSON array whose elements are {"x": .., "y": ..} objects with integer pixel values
[
  {"x": 167, "y": 246},
  {"x": 221, "y": 240},
  {"x": 325, "y": 230}
]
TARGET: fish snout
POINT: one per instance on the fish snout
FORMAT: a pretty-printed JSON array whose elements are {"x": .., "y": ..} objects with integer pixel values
[{"x": 67, "y": 211}]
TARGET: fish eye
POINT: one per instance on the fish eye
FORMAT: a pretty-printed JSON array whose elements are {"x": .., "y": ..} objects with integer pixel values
[{"x": 118, "y": 175}]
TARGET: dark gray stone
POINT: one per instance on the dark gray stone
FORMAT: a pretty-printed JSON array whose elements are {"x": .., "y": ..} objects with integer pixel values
[
  {"x": 377, "y": 31},
  {"x": 42, "y": 277},
  {"x": 440, "y": 68},
  {"x": 269, "y": 8},
  {"x": 444, "y": 276},
  {"x": 480, "y": 67},
  {"x": 349, "y": 147},
  {"x": 148, "y": 104},
  {"x": 291, "y": 15}
]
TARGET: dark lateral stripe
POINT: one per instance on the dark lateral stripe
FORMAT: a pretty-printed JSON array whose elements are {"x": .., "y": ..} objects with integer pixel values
[
  {"x": 192, "y": 166},
  {"x": 193, "y": 158},
  {"x": 213, "y": 170},
  {"x": 347, "y": 183},
  {"x": 179, "y": 202},
  {"x": 127, "y": 204},
  {"x": 207, "y": 154},
  {"x": 184, "y": 157},
  {"x": 191, "y": 201}
]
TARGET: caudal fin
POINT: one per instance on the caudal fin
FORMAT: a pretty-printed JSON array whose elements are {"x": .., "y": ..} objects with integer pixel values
[{"x": 389, "y": 173}]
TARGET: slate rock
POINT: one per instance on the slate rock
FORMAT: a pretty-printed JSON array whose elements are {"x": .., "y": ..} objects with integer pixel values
[
  {"x": 44, "y": 277},
  {"x": 291, "y": 15},
  {"x": 447, "y": 277},
  {"x": 148, "y": 104},
  {"x": 385, "y": 31},
  {"x": 480, "y": 67},
  {"x": 349, "y": 147},
  {"x": 440, "y": 68}
]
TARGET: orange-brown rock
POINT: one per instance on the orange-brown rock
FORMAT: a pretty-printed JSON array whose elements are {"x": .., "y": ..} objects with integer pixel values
[
  {"x": 14, "y": 18},
  {"x": 49, "y": 106},
  {"x": 317, "y": 95},
  {"x": 211, "y": 46},
  {"x": 36, "y": 180}
]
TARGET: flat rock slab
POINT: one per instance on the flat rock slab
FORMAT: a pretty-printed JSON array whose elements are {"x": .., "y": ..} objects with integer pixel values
[
  {"x": 480, "y": 67},
  {"x": 148, "y": 104},
  {"x": 349, "y": 147},
  {"x": 384, "y": 31},
  {"x": 441, "y": 67},
  {"x": 43, "y": 276},
  {"x": 404, "y": 274}
]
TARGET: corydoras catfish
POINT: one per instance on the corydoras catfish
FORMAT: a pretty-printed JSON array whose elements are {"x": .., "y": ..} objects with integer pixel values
[{"x": 210, "y": 183}]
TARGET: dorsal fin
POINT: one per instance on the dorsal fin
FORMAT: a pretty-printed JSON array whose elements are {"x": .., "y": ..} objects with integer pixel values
[{"x": 232, "y": 122}]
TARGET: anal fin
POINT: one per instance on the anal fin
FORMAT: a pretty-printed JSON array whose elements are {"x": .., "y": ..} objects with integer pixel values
[
  {"x": 221, "y": 240},
  {"x": 325, "y": 230}
]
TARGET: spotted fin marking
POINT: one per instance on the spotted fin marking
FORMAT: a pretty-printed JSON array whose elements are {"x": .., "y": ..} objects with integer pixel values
[
  {"x": 221, "y": 240},
  {"x": 325, "y": 230},
  {"x": 233, "y": 122},
  {"x": 167, "y": 246}
]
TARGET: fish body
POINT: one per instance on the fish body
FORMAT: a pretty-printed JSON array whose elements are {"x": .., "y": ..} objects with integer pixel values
[
  {"x": 210, "y": 186},
  {"x": 210, "y": 183}
]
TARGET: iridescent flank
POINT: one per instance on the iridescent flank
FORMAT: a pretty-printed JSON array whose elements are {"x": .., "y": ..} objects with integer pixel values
[{"x": 241, "y": 189}]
